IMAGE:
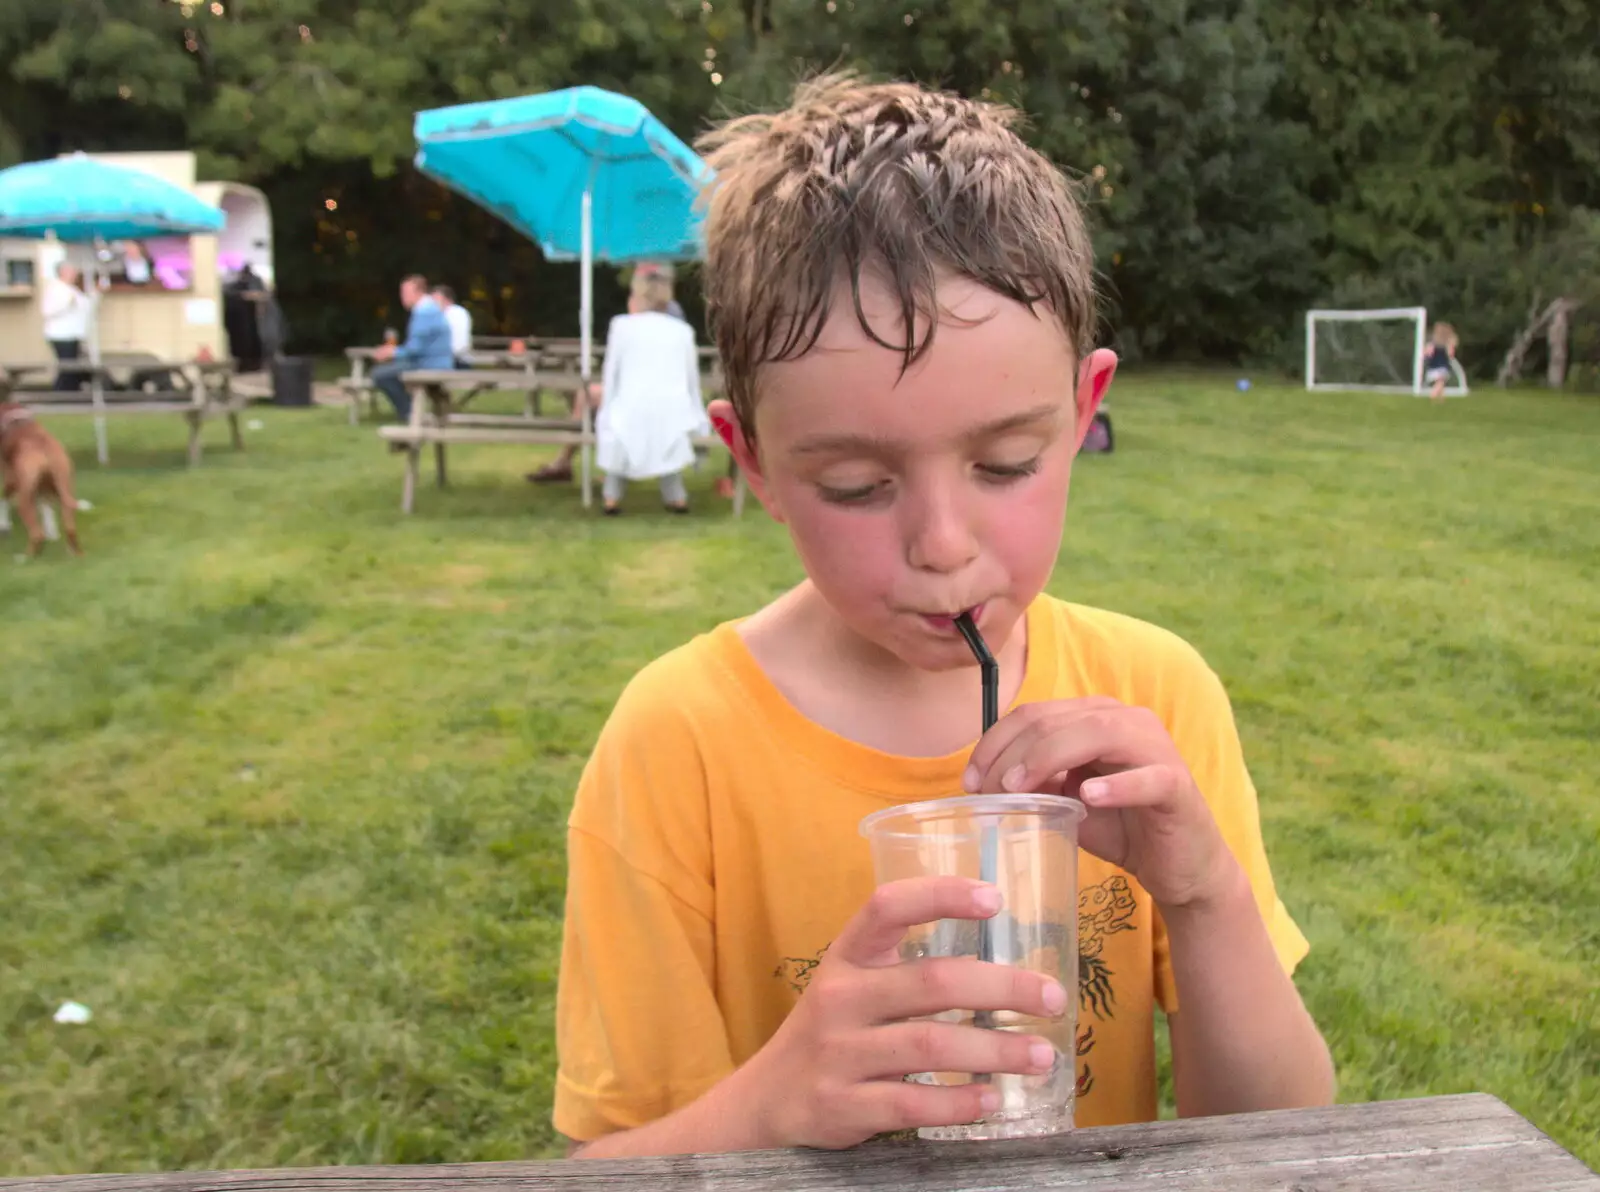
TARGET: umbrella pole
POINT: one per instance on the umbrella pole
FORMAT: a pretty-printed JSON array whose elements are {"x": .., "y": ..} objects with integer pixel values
[
  {"x": 97, "y": 393},
  {"x": 586, "y": 337}
]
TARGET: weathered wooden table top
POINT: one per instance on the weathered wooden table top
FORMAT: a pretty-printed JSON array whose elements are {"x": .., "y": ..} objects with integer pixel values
[{"x": 1460, "y": 1144}]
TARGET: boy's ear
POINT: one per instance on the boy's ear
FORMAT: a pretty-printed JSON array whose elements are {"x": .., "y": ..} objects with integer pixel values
[
  {"x": 1094, "y": 379},
  {"x": 731, "y": 431}
]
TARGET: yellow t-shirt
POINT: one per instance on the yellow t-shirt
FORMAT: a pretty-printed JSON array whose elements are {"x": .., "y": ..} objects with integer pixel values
[{"x": 714, "y": 854}]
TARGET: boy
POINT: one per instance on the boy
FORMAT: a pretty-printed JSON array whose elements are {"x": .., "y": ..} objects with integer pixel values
[{"x": 901, "y": 295}]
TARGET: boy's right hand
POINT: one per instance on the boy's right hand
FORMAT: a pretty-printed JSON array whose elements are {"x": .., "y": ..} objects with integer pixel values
[{"x": 833, "y": 1074}]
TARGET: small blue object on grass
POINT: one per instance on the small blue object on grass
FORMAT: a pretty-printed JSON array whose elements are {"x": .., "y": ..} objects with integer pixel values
[{"x": 1244, "y": 384}]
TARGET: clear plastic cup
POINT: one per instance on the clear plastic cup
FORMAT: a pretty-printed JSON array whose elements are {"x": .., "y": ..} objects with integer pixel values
[{"x": 1027, "y": 846}]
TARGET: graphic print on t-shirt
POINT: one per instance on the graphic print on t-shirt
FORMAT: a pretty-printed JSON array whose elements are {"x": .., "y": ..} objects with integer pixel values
[{"x": 1104, "y": 909}]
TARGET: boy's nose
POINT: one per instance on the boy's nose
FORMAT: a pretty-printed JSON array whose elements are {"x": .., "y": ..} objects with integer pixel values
[{"x": 939, "y": 536}]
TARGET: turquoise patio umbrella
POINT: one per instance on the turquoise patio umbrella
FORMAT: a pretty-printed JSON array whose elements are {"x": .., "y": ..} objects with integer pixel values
[
  {"x": 586, "y": 174},
  {"x": 79, "y": 199}
]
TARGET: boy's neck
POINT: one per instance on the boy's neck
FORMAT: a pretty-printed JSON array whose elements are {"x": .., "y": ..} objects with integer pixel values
[{"x": 863, "y": 692}]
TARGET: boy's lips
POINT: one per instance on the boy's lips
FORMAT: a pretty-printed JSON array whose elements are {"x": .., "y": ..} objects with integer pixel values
[{"x": 946, "y": 622}]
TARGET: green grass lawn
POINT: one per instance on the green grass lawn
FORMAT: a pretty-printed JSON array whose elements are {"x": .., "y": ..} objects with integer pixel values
[{"x": 283, "y": 775}]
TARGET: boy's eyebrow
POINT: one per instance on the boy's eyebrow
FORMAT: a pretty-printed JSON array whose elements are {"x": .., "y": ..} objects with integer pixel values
[{"x": 840, "y": 444}]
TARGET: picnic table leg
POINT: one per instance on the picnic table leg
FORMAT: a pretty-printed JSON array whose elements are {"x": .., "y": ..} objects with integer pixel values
[
  {"x": 194, "y": 420},
  {"x": 358, "y": 377},
  {"x": 441, "y": 414},
  {"x": 739, "y": 489},
  {"x": 408, "y": 493},
  {"x": 225, "y": 394}
]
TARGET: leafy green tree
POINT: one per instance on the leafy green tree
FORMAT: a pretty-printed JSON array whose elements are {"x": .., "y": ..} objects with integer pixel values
[{"x": 1241, "y": 159}]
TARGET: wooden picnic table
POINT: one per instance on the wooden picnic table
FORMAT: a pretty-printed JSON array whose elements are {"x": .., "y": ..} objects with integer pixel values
[
  {"x": 439, "y": 415},
  {"x": 133, "y": 383},
  {"x": 1469, "y": 1143},
  {"x": 439, "y": 401},
  {"x": 483, "y": 355}
]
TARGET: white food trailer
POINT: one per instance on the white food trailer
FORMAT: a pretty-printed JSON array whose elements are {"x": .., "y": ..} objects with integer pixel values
[{"x": 178, "y": 313}]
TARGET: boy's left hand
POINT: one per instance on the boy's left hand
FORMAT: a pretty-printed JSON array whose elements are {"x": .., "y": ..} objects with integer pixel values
[{"x": 1145, "y": 813}]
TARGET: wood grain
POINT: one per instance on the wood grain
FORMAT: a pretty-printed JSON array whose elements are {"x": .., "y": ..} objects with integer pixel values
[{"x": 1437, "y": 1144}]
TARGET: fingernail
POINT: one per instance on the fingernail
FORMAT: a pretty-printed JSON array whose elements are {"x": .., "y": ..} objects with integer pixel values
[
  {"x": 1093, "y": 792},
  {"x": 970, "y": 779},
  {"x": 1041, "y": 1056},
  {"x": 1055, "y": 998},
  {"x": 986, "y": 900},
  {"x": 1013, "y": 779},
  {"x": 989, "y": 1100}
]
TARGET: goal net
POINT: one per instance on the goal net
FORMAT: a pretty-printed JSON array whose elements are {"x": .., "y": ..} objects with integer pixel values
[{"x": 1380, "y": 351}]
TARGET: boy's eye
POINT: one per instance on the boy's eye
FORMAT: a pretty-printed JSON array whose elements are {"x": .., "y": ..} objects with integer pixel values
[
  {"x": 1004, "y": 472},
  {"x": 855, "y": 495}
]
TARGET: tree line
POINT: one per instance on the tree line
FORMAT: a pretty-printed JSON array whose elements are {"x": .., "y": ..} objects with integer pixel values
[{"x": 1242, "y": 159}]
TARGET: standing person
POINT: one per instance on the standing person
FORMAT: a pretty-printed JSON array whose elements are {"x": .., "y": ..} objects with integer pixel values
[
  {"x": 427, "y": 345},
  {"x": 242, "y": 302},
  {"x": 1436, "y": 366},
  {"x": 66, "y": 311},
  {"x": 902, "y": 292},
  {"x": 650, "y": 398},
  {"x": 459, "y": 319},
  {"x": 666, "y": 273}
]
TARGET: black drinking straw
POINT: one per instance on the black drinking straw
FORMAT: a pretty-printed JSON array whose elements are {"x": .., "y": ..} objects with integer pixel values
[
  {"x": 987, "y": 667},
  {"x": 988, "y": 844}
]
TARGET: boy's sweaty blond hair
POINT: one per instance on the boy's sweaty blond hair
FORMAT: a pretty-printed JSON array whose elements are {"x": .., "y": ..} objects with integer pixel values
[{"x": 889, "y": 179}]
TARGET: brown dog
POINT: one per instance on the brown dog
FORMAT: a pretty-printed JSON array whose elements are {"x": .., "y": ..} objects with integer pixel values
[{"x": 35, "y": 465}]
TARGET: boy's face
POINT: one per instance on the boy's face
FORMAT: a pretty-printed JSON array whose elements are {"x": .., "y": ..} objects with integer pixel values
[{"x": 913, "y": 499}]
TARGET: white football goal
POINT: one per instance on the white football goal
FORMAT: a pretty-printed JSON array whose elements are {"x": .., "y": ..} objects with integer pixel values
[{"x": 1380, "y": 351}]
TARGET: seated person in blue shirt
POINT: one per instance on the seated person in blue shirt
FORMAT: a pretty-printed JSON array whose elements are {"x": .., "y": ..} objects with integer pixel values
[{"x": 427, "y": 345}]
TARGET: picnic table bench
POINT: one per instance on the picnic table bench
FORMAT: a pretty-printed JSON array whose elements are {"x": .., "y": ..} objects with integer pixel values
[
  {"x": 439, "y": 415},
  {"x": 1467, "y": 1143},
  {"x": 133, "y": 383}
]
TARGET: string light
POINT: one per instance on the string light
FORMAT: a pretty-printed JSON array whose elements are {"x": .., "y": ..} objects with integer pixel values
[{"x": 331, "y": 204}]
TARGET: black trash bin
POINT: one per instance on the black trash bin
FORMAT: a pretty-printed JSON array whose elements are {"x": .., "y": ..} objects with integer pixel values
[{"x": 291, "y": 381}]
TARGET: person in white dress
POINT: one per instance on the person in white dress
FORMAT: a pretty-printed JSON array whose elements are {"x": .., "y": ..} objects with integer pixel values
[{"x": 650, "y": 405}]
